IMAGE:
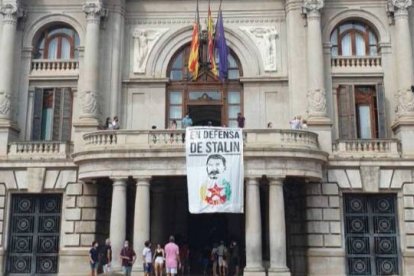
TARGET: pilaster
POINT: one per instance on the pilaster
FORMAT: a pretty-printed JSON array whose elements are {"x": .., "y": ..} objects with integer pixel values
[
  {"x": 94, "y": 11},
  {"x": 403, "y": 126},
  {"x": 318, "y": 120},
  {"x": 11, "y": 11}
]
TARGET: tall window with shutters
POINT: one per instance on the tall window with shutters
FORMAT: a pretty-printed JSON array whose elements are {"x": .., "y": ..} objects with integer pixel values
[
  {"x": 52, "y": 114},
  {"x": 361, "y": 112}
]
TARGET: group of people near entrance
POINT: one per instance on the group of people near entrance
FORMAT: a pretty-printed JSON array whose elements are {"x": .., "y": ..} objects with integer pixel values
[
  {"x": 220, "y": 260},
  {"x": 152, "y": 261}
]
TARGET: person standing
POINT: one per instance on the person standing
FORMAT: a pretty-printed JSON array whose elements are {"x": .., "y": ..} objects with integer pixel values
[
  {"x": 187, "y": 121},
  {"x": 222, "y": 258},
  {"x": 159, "y": 256},
  {"x": 115, "y": 123},
  {"x": 128, "y": 257},
  {"x": 172, "y": 257},
  {"x": 147, "y": 258},
  {"x": 93, "y": 258},
  {"x": 214, "y": 258},
  {"x": 235, "y": 258},
  {"x": 107, "y": 256},
  {"x": 240, "y": 120}
]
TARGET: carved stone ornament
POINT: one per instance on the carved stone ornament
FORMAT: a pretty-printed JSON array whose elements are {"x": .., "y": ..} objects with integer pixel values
[
  {"x": 405, "y": 100},
  {"x": 93, "y": 9},
  {"x": 265, "y": 39},
  {"x": 313, "y": 5},
  {"x": 317, "y": 102},
  {"x": 4, "y": 103},
  {"x": 401, "y": 4},
  {"x": 90, "y": 105},
  {"x": 11, "y": 11},
  {"x": 144, "y": 41}
]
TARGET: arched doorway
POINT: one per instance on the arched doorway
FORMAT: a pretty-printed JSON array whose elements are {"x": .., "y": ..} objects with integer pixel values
[{"x": 206, "y": 99}]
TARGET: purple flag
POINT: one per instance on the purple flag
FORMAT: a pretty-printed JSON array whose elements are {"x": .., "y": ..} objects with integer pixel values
[{"x": 221, "y": 45}]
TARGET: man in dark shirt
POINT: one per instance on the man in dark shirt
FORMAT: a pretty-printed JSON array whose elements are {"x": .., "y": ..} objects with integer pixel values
[
  {"x": 128, "y": 257},
  {"x": 93, "y": 258},
  {"x": 240, "y": 120},
  {"x": 234, "y": 257},
  {"x": 106, "y": 256}
]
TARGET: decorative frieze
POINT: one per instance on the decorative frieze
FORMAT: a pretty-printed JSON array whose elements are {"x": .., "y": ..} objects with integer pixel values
[
  {"x": 317, "y": 102},
  {"x": 4, "y": 104},
  {"x": 405, "y": 103},
  {"x": 265, "y": 39},
  {"x": 89, "y": 103},
  {"x": 144, "y": 41}
]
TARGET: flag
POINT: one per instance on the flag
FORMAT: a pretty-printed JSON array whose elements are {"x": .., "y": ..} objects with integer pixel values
[
  {"x": 211, "y": 54},
  {"x": 214, "y": 159},
  {"x": 221, "y": 46},
  {"x": 193, "y": 63}
]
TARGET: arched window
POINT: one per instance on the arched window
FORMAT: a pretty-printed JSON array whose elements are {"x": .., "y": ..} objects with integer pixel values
[
  {"x": 206, "y": 99},
  {"x": 353, "y": 38},
  {"x": 57, "y": 42}
]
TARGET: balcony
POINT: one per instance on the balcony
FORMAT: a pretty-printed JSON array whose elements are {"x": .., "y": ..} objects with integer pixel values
[
  {"x": 162, "y": 153},
  {"x": 39, "y": 150},
  {"x": 356, "y": 65},
  {"x": 54, "y": 68},
  {"x": 359, "y": 149}
]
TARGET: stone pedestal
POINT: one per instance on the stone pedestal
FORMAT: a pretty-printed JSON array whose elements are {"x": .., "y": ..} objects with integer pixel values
[
  {"x": 404, "y": 131},
  {"x": 118, "y": 219},
  {"x": 254, "y": 262},
  {"x": 277, "y": 228}
]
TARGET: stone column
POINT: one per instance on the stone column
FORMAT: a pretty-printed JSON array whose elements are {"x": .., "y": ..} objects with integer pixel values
[
  {"x": 118, "y": 218},
  {"x": 90, "y": 71},
  {"x": 404, "y": 124},
  {"x": 254, "y": 265},
  {"x": 142, "y": 214},
  {"x": 11, "y": 12},
  {"x": 277, "y": 228},
  {"x": 318, "y": 119},
  {"x": 404, "y": 58}
]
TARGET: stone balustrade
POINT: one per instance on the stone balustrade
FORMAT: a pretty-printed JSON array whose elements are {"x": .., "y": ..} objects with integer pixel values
[
  {"x": 54, "y": 67},
  {"x": 39, "y": 149},
  {"x": 175, "y": 138},
  {"x": 356, "y": 61},
  {"x": 356, "y": 64},
  {"x": 370, "y": 148}
]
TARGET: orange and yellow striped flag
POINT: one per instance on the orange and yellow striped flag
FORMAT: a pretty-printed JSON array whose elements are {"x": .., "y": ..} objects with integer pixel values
[{"x": 193, "y": 60}]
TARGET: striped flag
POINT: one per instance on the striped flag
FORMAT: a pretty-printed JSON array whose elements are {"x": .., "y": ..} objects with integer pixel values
[
  {"x": 210, "y": 31},
  {"x": 193, "y": 60}
]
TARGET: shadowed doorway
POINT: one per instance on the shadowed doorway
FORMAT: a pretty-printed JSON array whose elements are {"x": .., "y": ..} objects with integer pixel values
[{"x": 203, "y": 114}]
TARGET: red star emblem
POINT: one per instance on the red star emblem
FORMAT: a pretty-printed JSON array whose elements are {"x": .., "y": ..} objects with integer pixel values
[
  {"x": 216, "y": 198},
  {"x": 215, "y": 191}
]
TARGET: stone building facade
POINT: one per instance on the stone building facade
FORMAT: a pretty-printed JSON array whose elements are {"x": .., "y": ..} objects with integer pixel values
[{"x": 336, "y": 198}]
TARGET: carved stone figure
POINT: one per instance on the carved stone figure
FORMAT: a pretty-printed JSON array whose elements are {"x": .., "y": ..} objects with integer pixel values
[
  {"x": 90, "y": 106},
  {"x": 144, "y": 41},
  {"x": 405, "y": 106},
  {"x": 265, "y": 40},
  {"x": 4, "y": 104},
  {"x": 317, "y": 102}
]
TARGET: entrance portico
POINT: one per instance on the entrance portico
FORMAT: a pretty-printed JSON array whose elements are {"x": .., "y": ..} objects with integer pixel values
[{"x": 155, "y": 165}]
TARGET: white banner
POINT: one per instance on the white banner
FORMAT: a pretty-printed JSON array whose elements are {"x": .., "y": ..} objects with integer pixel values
[{"x": 214, "y": 169}]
